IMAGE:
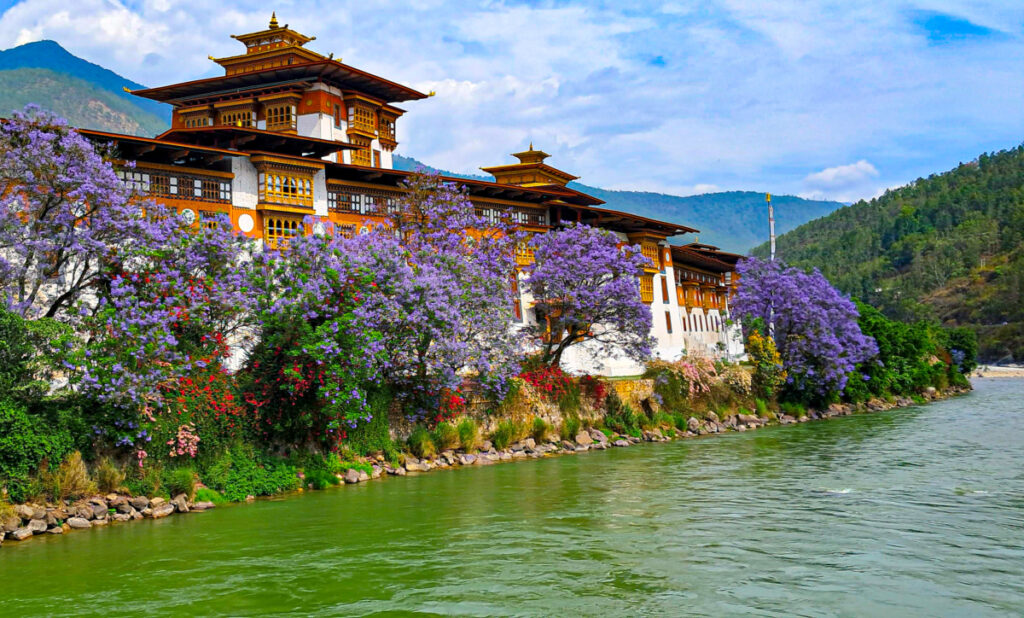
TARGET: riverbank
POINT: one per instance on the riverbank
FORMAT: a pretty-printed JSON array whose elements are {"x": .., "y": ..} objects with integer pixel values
[
  {"x": 24, "y": 521},
  {"x": 998, "y": 371}
]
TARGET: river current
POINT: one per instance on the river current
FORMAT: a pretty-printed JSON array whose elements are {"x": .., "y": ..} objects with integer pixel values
[{"x": 913, "y": 512}]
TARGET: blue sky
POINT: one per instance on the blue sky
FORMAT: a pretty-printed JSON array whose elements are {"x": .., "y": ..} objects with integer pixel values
[{"x": 821, "y": 98}]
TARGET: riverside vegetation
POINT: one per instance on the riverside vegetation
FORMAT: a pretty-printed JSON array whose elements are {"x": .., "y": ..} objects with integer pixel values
[{"x": 150, "y": 367}]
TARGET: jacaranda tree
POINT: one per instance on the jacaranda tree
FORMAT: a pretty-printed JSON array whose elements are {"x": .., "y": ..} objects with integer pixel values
[
  {"x": 308, "y": 378},
  {"x": 814, "y": 326},
  {"x": 443, "y": 298},
  {"x": 65, "y": 216},
  {"x": 586, "y": 292}
]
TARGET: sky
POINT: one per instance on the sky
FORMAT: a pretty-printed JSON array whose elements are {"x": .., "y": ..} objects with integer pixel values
[{"x": 829, "y": 99}]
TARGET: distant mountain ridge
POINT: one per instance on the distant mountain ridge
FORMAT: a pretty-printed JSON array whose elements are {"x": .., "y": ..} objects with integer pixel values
[
  {"x": 85, "y": 93},
  {"x": 733, "y": 220}
]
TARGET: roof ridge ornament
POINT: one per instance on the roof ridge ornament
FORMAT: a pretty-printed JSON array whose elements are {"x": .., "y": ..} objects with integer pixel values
[{"x": 273, "y": 20}]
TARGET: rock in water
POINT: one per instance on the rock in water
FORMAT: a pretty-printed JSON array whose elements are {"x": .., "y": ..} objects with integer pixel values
[
  {"x": 692, "y": 424},
  {"x": 37, "y": 526},
  {"x": 351, "y": 476},
  {"x": 20, "y": 534},
  {"x": 79, "y": 523},
  {"x": 162, "y": 511},
  {"x": 583, "y": 438}
]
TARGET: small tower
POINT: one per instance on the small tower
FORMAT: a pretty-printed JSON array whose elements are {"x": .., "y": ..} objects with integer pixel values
[{"x": 531, "y": 171}]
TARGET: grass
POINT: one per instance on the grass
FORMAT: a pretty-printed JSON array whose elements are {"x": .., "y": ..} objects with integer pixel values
[
  {"x": 445, "y": 436},
  {"x": 109, "y": 476},
  {"x": 540, "y": 429},
  {"x": 570, "y": 427},
  {"x": 180, "y": 481},
  {"x": 205, "y": 494},
  {"x": 420, "y": 443},
  {"x": 469, "y": 434},
  {"x": 70, "y": 480},
  {"x": 507, "y": 432},
  {"x": 762, "y": 407}
]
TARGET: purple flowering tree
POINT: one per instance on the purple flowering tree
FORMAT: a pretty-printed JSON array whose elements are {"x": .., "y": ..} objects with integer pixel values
[
  {"x": 444, "y": 292},
  {"x": 815, "y": 327},
  {"x": 309, "y": 375},
  {"x": 64, "y": 216},
  {"x": 586, "y": 291}
]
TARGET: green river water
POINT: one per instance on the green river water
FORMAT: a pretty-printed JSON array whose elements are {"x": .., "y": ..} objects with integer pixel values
[{"x": 911, "y": 512}]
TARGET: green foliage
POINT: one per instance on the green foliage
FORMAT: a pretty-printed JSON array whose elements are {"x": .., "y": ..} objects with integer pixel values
[
  {"x": 420, "y": 443},
  {"x": 373, "y": 436},
  {"x": 662, "y": 419},
  {"x": 622, "y": 418},
  {"x": 910, "y": 356},
  {"x": 570, "y": 427},
  {"x": 26, "y": 440},
  {"x": 146, "y": 481},
  {"x": 762, "y": 407},
  {"x": 507, "y": 432},
  {"x": 181, "y": 480},
  {"x": 320, "y": 478},
  {"x": 794, "y": 409},
  {"x": 205, "y": 494},
  {"x": 242, "y": 471},
  {"x": 109, "y": 476},
  {"x": 469, "y": 434},
  {"x": 948, "y": 248},
  {"x": 69, "y": 481},
  {"x": 540, "y": 429},
  {"x": 445, "y": 436}
]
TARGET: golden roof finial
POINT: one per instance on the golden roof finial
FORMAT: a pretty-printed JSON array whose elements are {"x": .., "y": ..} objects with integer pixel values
[
  {"x": 531, "y": 144},
  {"x": 273, "y": 20}
]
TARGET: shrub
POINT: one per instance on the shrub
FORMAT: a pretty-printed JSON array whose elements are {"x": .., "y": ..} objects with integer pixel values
[
  {"x": 26, "y": 440},
  {"x": 570, "y": 427},
  {"x": 504, "y": 434},
  {"x": 645, "y": 421},
  {"x": 469, "y": 434},
  {"x": 242, "y": 471},
  {"x": 70, "y": 480},
  {"x": 374, "y": 435},
  {"x": 678, "y": 383},
  {"x": 540, "y": 429},
  {"x": 420, "y": 443},
  {"x": 180, "y": 481},
  {"x": 445, "y": 436},
  {"x": 662, "y": 419},
  {"x": 146, "y": 481},
  {"x": 762, "y": 407},
  {"x": 320, "y": 478},
  {"x": 205, "y": 494},
  {"x": 109, "y": 476},
  {"x": 769, "y": 374}
]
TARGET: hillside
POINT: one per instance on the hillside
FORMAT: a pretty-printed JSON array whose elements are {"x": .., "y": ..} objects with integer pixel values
[
  {"x": 87, "y": 94},
  {"x": 948, "y": 247},
  {"x": 733, "y": 220}
]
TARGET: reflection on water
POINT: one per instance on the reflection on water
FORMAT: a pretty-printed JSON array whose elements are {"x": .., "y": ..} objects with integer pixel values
[{"x": 912, "y": 512}]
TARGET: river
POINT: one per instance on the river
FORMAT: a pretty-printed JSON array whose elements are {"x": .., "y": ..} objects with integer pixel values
[{"x": 909, "y": 512}]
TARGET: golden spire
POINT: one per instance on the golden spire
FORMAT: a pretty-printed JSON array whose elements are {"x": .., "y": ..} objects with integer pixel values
[
  {"x": 273, "y": 20},
  {"x": 531, "y": 144}
]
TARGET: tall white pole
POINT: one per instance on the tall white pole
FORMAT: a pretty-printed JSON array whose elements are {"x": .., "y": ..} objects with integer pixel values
[{"x": 771, "y": 223}]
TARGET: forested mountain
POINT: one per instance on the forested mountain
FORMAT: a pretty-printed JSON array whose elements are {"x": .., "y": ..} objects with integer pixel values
[
  {"x": 87, "y": 94},
  {"x": 732, "y": 220},
  {"x": 949, "y": 247}
]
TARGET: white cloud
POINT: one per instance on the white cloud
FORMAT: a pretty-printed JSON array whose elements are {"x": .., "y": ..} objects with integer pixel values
[
  {"x": 679, "y": 95},
  {"x": 841, "y": 176}
]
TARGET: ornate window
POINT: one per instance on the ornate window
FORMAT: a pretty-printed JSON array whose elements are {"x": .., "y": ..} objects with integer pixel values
[
  {"x": 361, "y": 156},
  {"x": 283, "y": 188},
  {"x": 281, "y": 118},
  {"x": 524, "y": 253},
  {"x": 362, "y": 118},
  {"x": 278, "y": 231},
  {"x": 159, "y": 183},
  {"x": 192, "y": 122},
  {"x": 668, "y": 322},
  {"x": 238, "y": 118},
  {"x": 664, "y": 290},
  {"x": 647, "y": 288}
]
